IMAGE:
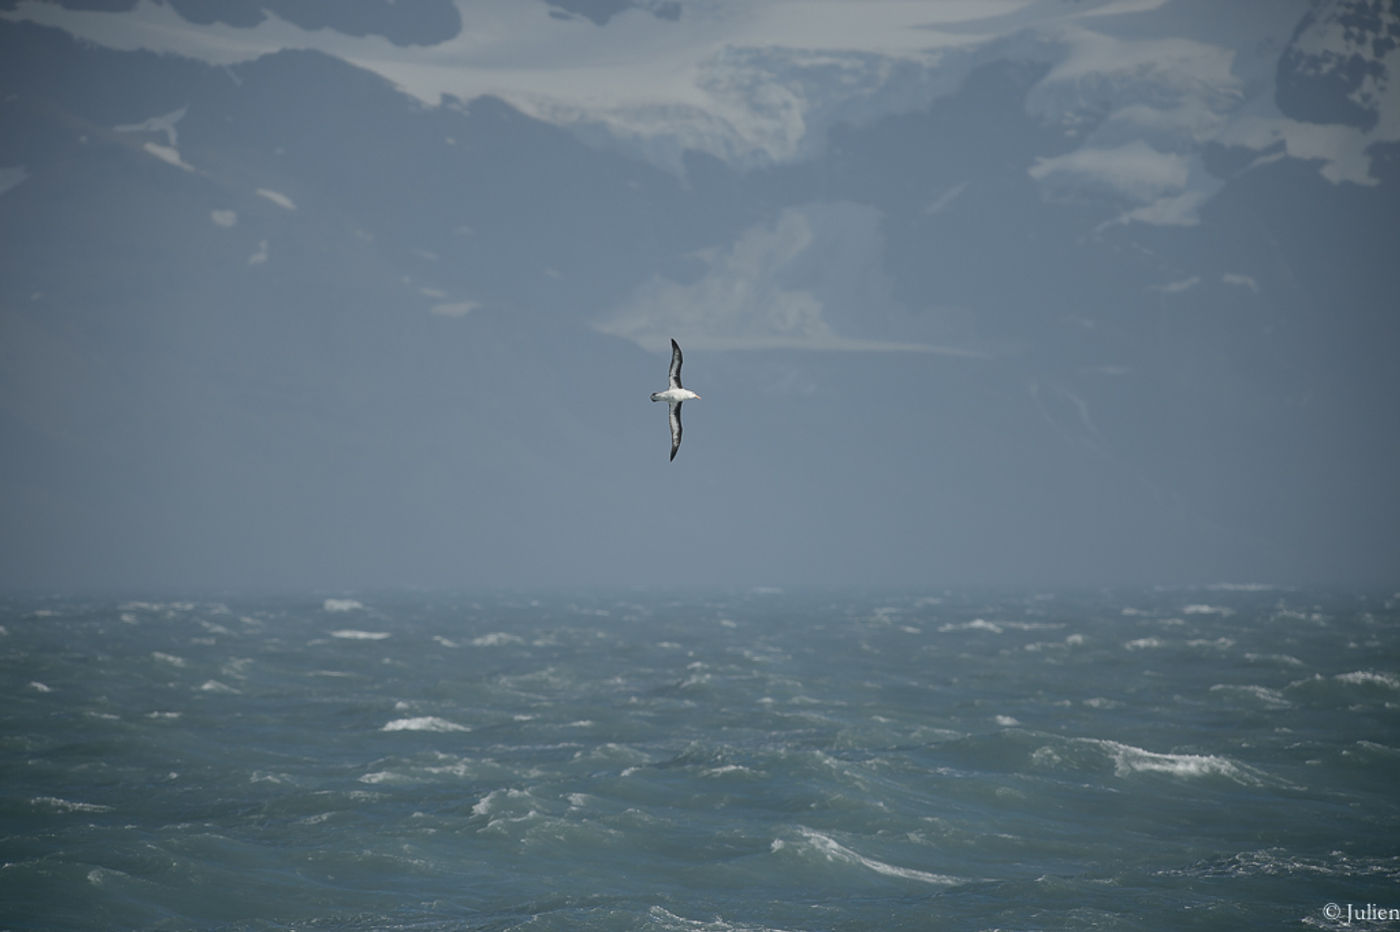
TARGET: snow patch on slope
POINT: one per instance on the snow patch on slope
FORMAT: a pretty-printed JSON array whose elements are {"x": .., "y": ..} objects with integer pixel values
[{"x": 1138, "y": 85}]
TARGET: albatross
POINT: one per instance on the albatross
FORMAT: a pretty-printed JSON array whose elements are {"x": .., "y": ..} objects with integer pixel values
[{"x": 674, "y": 395}]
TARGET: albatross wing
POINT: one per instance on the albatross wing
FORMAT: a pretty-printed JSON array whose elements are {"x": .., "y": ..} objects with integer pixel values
[
  {"x": 676, "y": 360},
  {"x": 675, "y": 417}
]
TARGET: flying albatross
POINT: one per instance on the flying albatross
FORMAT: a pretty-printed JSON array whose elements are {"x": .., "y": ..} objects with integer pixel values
[{"x": 674, "y": 395}]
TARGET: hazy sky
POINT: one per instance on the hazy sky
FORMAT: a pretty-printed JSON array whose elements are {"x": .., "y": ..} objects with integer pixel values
[{"x": 1019, "y": 292}]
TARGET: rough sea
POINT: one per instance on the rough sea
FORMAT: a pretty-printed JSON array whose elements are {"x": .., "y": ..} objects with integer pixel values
[{"x": 1214, "y": 758}]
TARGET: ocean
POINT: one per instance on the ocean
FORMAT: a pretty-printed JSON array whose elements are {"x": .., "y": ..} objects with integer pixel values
[{"x": 1215, "y": 758}]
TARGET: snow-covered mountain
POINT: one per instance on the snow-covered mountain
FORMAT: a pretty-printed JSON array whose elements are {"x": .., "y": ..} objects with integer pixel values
[{"x": 374, "y": 293}]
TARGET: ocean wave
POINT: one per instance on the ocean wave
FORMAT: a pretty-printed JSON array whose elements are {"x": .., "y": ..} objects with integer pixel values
[
  {"x": 997, "y": 627},
  {"x": 976, "y": 624},
  {"x": 726, "y": 770},
  {"x": 352, "y": 634},
  {"x": 55, "y": 804},
  {"x": 1348, "y": 689},
  {"x": 1271, "y": 698},
  {"x": 100, "y": 875},
  {"x": 1278, "y": 862},
  {"x": 139, "y": 606},
  {"x": 833, "y": 851},
  {"x": 501, "y": 801},
  {"x": 1128, "y": 760},
  {"x": 423, "y": 723},
  {"x": 342, "y": 605},
  {"x": 496, "y": 639},
  {"x": 1370, "y": 678},
  {"x": 666, "y": 921},
  {"x": 1284, "y": 659},
  {"x": 1201, "y": 609}
]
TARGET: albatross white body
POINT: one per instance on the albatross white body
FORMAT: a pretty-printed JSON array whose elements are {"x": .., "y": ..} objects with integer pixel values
[{"x": 674, "y": 395}]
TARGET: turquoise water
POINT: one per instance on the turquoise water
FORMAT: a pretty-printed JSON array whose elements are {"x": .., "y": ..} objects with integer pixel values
[{"x": 1142, "y": 759}]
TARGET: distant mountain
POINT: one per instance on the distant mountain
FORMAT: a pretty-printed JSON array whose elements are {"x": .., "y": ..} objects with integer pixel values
[{"x": 348, "y": 295}]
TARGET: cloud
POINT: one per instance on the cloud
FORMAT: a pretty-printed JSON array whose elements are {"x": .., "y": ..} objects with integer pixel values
[
  {"x": 453, "y": 308},
  {"x": 1182, "y": 210},
  {"x": 1240, "y": 280},
  {"x": 1176, "y": 287},
  {"x": 12, "y": 176},
  {"x": 168, "y": 155},
  {"x": 741, "y": 300},
  {"x": 1135, "y": 171},
  {"x": 165, "y": 123},
  {"x": 945, "y": 197},
  {"x": 278, "y": 198},
  {"x": 1169, "y": 188},
  {"x": 774, "y": 287},
  {"x": 1105, "y": 74},
  {"x": 1342, "y": 150}
]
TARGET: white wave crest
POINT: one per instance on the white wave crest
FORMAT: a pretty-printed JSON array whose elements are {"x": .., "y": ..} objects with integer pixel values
[
  {"x": 509, "y": 801},
  {"x": 1369, "y": 678},
  {"x": 976, "y": 624},
  {"x": 66, "y": 805},
  {"x": 1274, "y": 658},
  {"x": 341, "y": 605},
  {"x": 835, "y": 851},
  {"x": 351, "y": 634},
  {"x": 1269, "y": 697},
  {"x": 423, "y": 723},
  {"x": 1128, "y": 760},
  {"x": 667, "y": 921},
  {"x": 100, "y": 875},
  {"x": 496, "y": 639}
]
